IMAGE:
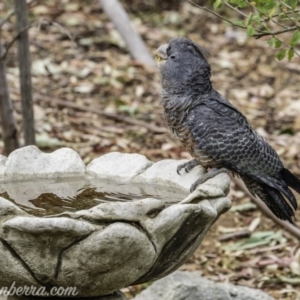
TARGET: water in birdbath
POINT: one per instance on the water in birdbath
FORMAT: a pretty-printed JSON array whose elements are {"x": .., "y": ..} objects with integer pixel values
[{"x": 50, "y": 196}]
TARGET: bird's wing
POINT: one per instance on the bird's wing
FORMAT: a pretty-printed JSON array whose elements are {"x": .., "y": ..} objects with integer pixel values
[{"x": 223, "y": 133}]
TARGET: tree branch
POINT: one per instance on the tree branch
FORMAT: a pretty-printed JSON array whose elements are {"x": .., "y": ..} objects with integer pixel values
[
  {"x": 276, "y": 15},
  {"x": 6, "y": 18},
  {"x": 261, "y": 34},
  {"x": 3, "y": 56},
  {"x": 287, "y": 16},
  {"x": 262, "y": 13},
  {"x": 9, "y": 127},
  {"x": 216, "y": 14},
  {"x": 24, "y": 61},
  {"x": 50, "y": 23},
  {"x": 257, "y": 35},
  {"x": 235, "y": 8},
  {"x": 12, "y": 12},
  {"x": 134, "y": 42}
]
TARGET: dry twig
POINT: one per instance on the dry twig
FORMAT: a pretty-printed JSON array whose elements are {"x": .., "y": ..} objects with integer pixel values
[
  {"x": 3, "y": 56},
  {"x": 6, "y": 18},
  {"x": 100, "y": 112},
  {"x": 12, "y": 12},
  {"x": 234, "y": 235},
  {"x": 272, "y": 33}
]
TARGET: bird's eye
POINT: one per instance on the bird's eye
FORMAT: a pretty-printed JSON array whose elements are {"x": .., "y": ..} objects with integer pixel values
[{"x": 172, "y": 56}]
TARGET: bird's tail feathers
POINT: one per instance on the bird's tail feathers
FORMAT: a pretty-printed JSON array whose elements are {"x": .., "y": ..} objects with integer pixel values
[
  {"x": 291, "y": 180},
  {"x": 281, "y": 186},
  {"x": 270, "y": 193},
  {"x": 278, "y": 205}
]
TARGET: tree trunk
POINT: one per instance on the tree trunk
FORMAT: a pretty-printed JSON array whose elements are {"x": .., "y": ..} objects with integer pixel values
[
  {"x": 9, "y": 127},
  {"x": 25, "y": 71},
  {"x": 134, "y": 42}
]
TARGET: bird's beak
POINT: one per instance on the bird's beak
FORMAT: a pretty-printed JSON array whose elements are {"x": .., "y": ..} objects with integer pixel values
[{"x": 161, "y": 54}]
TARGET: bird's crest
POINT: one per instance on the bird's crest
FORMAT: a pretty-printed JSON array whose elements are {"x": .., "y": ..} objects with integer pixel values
[{"x": 186, "y": 41}]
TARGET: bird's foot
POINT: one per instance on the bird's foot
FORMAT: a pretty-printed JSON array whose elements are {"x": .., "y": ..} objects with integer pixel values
[
  {"x": 188, "y": 166},
  {"x": 212, "y": 173}
]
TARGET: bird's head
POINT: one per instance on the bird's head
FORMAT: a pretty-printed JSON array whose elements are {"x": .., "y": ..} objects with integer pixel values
[{"x": 183, "y": 64}]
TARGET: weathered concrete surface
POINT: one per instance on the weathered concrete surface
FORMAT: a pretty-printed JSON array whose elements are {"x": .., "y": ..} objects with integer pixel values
[
  {"x": 138, "y": 169},
  {"x": 136, "y": 211},
  {"x": 113, "y": 244},
  {"x": 114, "y": 257},
  {"x": 9, "y": 210},
  {"x": 164, "y": 173},
  {"x": 3, "y": 160},
  {"x": 178, "y": 231},
  {"x": 30, "y": 162},
  {"x": 109, "y": 246},
  {"x": 191, "y": 286},
  {"x": 118, "y": 166},
  {"x": 217, "y": 186},
  {"x": 39, "y": 241},
  {"x": 13, "y": 269}
]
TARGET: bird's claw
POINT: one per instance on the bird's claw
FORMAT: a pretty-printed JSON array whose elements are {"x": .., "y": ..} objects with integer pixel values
[
  {"x": 188, "y": 166},
  {"x": 179, "y": 169},
  {"x": 193, "y": 187},
  {"x": 212, "y": 173}
]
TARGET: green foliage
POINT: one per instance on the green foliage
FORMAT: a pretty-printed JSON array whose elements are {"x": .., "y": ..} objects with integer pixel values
[
  {"x": 295, "y": 38},
  {"x": 291, "y": 53},
  {"x": 217, "y": 3},
  {"x": 277, "y": 19},
  {"x": 250, "y": 30},
  {"x": 281, "y": 54}
]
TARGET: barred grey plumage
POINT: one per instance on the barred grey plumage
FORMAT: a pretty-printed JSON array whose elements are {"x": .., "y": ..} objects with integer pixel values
[{"x": 215, "y": 133}]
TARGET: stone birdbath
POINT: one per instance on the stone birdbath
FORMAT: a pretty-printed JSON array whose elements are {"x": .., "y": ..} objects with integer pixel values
[{"x": 119, "y": 221}]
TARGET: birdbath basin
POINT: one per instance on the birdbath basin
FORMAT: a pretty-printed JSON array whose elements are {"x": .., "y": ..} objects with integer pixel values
[{"x": 119, "y": 221}]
